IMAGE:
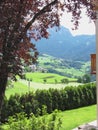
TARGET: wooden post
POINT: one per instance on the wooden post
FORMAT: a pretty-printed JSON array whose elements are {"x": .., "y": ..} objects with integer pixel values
[
  {"x": 93, "y": 63},
  {"x": 29, "y": 85}
]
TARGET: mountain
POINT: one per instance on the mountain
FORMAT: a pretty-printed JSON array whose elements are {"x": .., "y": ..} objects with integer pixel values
[{"x": 63, "y": 44}]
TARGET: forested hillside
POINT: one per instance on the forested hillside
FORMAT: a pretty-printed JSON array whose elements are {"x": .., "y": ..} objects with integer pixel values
[
  {"x": 63, "y": 67},
  {"x": 63, "y": 44}
]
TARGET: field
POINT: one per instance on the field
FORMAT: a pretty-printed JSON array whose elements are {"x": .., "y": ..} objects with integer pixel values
[
  {"x": 23, "y": 86},
  {"x": 37, "y": 82},
  {"x": 18, "y": 87},
  {"x": 50, "y": 77}
]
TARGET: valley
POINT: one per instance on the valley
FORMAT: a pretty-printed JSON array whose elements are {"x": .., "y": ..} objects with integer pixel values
[
  {"x": 69, "y": 68},
  {"x": 65, "y": 54}
]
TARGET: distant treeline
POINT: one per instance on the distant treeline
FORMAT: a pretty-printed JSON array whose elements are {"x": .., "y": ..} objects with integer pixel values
[{"x": 63, "y": 99}]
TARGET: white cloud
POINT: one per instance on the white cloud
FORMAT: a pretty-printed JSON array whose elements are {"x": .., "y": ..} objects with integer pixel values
[{"x": 86, "y": 25}]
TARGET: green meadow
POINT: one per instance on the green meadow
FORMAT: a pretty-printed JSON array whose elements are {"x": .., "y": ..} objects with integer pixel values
[
  {"x": 37, "y": 82},
  {"x": 18, "y": 87},
  {"x": 23, "y": 86},
  {"x": 50, "y": 77}
]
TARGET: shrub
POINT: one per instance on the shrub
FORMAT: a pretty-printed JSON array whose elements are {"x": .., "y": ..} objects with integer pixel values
[
  {"x": 42, "y": 100},
  {"x": 20, "y": 122},
  {"x": 65, "y": 81}
]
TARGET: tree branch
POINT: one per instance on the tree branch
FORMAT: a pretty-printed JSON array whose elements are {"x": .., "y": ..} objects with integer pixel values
[
  {"x": 1, "y": 1},
  {"x": 42, "y": 11}
]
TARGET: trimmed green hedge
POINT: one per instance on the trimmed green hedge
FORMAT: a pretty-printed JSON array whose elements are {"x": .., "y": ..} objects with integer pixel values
[{"x": 64, "y": 99}]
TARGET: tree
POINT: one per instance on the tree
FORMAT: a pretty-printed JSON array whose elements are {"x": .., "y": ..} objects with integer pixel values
[
  {"x": 79, "y": 80},
  {"x": 21, "y": 20},
  {"x": 86, "y": 78},
  {"x": 65, "y": 81}
]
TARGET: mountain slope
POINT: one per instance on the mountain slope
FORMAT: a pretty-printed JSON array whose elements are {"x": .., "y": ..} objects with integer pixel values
[
  {"x": 63, "y": 67},
  {"x": 63, "y": 44}
]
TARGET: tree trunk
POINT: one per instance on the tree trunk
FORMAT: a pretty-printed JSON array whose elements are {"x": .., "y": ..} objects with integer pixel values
[{"x": 3, "y": 83}]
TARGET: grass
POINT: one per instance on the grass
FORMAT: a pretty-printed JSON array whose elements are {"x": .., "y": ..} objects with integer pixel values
[
  {"x": 19, "y": 88},
  {"x": 76, "y": 117},
  {"x": 23, "y": 86},
  {"x": 50, "y": 77},
  {"x": 73, "y": 118}
]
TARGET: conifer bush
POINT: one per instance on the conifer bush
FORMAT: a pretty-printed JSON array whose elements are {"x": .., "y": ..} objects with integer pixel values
[{"x": 51, "y": 99}]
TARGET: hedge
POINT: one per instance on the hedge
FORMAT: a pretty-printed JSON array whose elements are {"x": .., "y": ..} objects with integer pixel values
[{"x": 62, "y": 99}]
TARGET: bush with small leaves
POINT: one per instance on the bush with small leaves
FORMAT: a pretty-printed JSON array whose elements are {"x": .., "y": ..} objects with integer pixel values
[{"x": 21, "y": 122}]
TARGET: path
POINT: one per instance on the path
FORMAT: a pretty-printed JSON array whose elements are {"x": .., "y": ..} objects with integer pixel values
[
  {"x": 87, "y": 126},
  {"x": 45, "y": 85}
]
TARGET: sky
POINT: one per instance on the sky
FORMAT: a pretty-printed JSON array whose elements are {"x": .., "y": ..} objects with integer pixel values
[{"x": 86, "y": 25}]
